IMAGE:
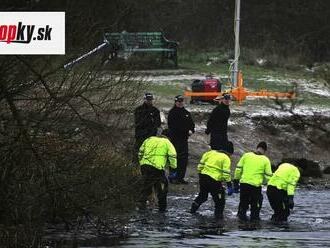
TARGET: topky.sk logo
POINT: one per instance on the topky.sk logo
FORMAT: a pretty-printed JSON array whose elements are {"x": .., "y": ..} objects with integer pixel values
[
  {"x": 32, "y": 33},
  {"x": 21, "y": 33}
]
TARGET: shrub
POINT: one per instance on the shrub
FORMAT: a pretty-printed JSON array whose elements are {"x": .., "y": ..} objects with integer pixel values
[{"x": 64, "y": 140}]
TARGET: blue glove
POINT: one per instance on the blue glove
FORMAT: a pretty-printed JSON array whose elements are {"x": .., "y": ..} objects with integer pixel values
[
  {"x": 172, "y": 175},
  {"x": 230, "y": 190}
]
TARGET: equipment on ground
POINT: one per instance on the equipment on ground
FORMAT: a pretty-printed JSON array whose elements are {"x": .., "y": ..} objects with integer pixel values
[
  {"x": 209, "y": 84},
  {"x": 237, "y": 89},
  {"x": 240, "y": 93}
]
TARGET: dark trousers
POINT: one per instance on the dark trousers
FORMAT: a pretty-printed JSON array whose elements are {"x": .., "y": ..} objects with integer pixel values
[
  {"x": 181, "y": 147},
  {"x": 278, "y": 199},
  {"x": 154, "y": 178},
  {"x": 218, "y": 140},
  {"x": 250, "y": 197},
  {"x": 208, "y": 185}
]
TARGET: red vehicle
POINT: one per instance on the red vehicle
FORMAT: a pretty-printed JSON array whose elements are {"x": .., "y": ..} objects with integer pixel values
[{"x": 209, "y": 84}]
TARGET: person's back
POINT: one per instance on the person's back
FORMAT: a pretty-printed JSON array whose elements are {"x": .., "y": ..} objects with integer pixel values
[
  {"x": 285, "y": 178},
  {"x": 214, "y": 170},
  {"x": 155, "y": 151},
  {"x": 253, "y": 168},
  {"x": 147, "y": 120},
  {"x": 281, "y": 188},
  {"x": 217, "y": 124},
  {"x": 154, "y": 154},
  {"x": 216, "y": 165},
  {"x": 218, "y": 121}
]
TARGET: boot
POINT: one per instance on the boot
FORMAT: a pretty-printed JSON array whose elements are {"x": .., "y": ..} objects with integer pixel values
[
  {"x": 194, "y": 207},
  {"x": 254, "y": 217},
  {"x": 242, "y": 216}
]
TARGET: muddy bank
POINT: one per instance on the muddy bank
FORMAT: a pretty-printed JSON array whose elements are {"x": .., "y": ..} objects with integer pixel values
[{"x": 287, "y": 137}]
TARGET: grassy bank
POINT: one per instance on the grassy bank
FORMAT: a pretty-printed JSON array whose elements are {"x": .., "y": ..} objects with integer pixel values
[{"x": 256, "y": 77}]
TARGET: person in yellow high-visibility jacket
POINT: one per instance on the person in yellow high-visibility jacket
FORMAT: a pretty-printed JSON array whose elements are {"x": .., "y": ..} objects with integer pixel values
[
  {"x": 154, "y": 154},
  {"x": 251, "y": 171},
  {"x": 213, "y": 170},
  {"x": 281, "y": 188}
]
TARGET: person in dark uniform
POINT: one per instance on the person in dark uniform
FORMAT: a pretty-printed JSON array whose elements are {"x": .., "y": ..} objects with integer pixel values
[
  {"x": 146, "y": 119},
  {"x": 218, "y": 122},
  {"x": 181, "y": 125}
]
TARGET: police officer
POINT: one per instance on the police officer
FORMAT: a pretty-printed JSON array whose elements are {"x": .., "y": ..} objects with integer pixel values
[
  {"x": 214, "y": 170},
  {"x": 251, "y": 170},
  {"x": 217, "y": 123},
  {"x": 153, "y": 156},
  {"x": 181, "y": 125},
  {"x": 281, "y": 188},
  {"x": 147, "y": 120}
]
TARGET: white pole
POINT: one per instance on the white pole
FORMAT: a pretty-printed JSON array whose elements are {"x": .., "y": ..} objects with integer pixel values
[
  {"x": 236, "y": 23},
  {"x": 104, "y": 44}
]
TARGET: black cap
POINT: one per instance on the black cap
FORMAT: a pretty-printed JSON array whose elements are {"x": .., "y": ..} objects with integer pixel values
[
  {"x": 263, "y": 145},
  {"x": 148, "y": 96},
  {"x": 226, "y": 96},
  {"x": 179, "y": 98}
]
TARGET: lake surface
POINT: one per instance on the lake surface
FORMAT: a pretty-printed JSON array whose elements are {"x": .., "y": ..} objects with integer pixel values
[{"x": 308, "y": 225}]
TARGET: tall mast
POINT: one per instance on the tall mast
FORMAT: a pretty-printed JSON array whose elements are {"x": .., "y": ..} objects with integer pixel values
[{"x": 237, "y": 51}]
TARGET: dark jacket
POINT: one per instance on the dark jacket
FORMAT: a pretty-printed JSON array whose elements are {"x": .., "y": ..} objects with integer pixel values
[
  {"x": 147, "y": 120},
  {"x": 179, "y": 123},
  {"x": 218, "y": 121}
]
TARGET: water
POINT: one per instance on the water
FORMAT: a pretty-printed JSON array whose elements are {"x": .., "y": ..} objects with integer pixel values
[{"x": 308, "y": 226}]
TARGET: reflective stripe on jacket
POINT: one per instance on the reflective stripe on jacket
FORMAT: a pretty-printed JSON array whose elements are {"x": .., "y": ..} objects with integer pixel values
[
  {"x": 252, "y": 168},
  {"x": 285, "y": 177},
  {"x": 216, "y": 165},
  {"x": 155, "y": 151}
]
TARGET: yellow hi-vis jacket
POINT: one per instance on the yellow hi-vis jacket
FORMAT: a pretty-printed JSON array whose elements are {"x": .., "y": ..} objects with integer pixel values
[
  {"x": 216, "y": 165},
  {"x": 252, "y": 168},
  {"x": 156, "y": 151},
  {"x": 285, "y": 177}
]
